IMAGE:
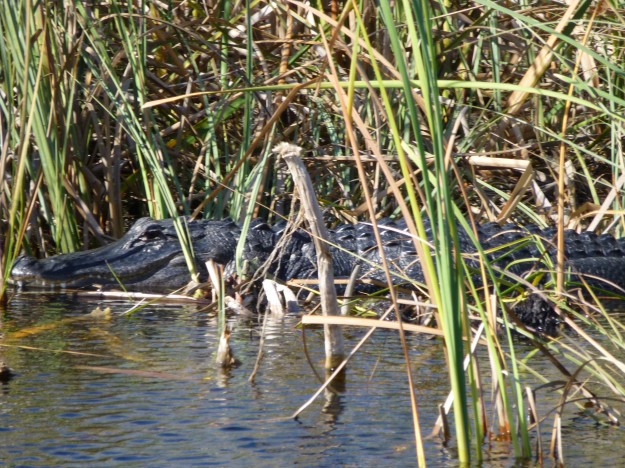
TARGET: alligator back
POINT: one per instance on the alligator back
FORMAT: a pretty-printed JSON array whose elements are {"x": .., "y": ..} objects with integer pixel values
[{"x": 149, "y": 255}]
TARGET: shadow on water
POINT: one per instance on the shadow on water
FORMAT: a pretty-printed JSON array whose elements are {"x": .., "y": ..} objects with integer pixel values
[{"x": 145, "y": 390}]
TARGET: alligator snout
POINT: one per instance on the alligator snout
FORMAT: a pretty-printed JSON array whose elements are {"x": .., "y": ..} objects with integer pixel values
[{"x": 24, "y": 268}]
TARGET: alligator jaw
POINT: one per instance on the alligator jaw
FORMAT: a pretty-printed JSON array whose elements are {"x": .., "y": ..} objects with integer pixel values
[
  {"x": 58, "y": 273},
  {"x": 149, "y": 256}
]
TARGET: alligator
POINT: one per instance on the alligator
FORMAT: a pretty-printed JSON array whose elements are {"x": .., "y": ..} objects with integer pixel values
[{"x": 149, "y": 256}]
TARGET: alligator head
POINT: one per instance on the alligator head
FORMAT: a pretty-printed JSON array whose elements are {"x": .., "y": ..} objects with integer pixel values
[{"x": 147, "y": 257}]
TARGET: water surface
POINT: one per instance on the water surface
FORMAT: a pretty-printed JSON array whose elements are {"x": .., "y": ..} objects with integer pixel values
[{"x": 145, "y": 391}]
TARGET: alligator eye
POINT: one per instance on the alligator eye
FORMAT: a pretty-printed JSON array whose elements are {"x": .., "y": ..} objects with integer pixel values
[{"x": 151, "y": 234}]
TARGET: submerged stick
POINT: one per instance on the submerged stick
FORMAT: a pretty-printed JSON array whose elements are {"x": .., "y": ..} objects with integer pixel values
[
  {"x": 225, "y": 357},
  {"x": 312, "y": 213}
]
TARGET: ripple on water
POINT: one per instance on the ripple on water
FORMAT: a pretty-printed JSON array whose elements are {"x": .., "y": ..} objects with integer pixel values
[{"x": 149, "y": 394}]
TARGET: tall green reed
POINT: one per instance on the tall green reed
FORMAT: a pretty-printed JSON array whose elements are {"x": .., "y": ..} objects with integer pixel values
[
  {"x": 392, "y": 83},
  {"x": 34, "y": 92}
]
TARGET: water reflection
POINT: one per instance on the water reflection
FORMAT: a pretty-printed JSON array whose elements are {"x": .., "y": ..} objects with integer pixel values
[{"x": 145, "y": 390}]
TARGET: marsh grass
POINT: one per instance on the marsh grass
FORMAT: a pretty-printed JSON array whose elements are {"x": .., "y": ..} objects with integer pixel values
[{"x": 112, "y": 110}]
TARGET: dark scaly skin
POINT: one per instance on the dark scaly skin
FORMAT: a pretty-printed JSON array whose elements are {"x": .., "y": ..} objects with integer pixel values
[{"x": 149, "y": 256}]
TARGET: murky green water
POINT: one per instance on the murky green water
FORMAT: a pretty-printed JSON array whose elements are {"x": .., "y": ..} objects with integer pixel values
[{"x": 144, "y": 391}]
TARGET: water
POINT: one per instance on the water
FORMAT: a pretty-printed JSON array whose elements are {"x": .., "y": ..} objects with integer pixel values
[{"x": 145, "y": 391}]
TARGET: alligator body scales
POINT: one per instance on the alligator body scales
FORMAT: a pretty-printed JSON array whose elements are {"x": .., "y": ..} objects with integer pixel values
[{"x": 149, "y": 256}]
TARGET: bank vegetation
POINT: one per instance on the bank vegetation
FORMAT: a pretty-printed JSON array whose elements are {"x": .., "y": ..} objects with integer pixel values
[{"x": 464, "y": 112}]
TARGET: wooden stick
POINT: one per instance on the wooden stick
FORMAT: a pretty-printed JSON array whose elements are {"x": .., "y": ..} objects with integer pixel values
[{"x": 329, "y": 304}]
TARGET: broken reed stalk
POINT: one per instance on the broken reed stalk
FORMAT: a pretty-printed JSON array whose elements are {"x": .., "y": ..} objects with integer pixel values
[{"x": 329, "y": 304}]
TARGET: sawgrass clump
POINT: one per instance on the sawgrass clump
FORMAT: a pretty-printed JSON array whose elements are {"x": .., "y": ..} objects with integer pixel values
[{"x": 112, "y": 110}]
